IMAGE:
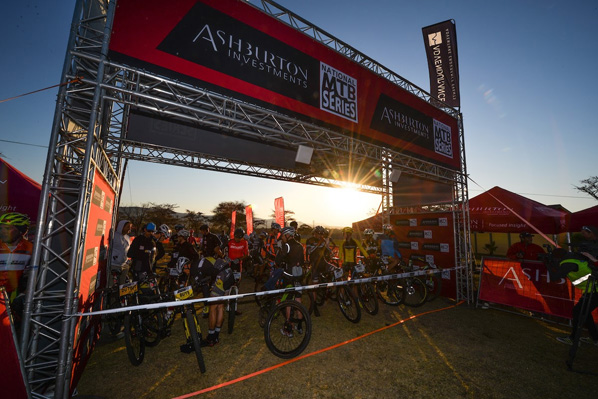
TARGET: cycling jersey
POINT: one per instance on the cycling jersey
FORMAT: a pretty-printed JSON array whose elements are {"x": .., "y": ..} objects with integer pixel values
[
  {"x": 271, "y": 246},
  {"x": 13, "y": 263},
  {"x": 348, "y": 252},
  {"x": 142, "y": 253},
  {"x": 237, "y": 250},
  {"x": 209, "y": 243},
  {"x": 390, "y": 247}
]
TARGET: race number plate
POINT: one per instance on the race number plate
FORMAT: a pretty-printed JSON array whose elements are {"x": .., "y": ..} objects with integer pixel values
[
  {"x": 183, "y": 293},
  {"x": 359, "y": 268},
  {"x": 338, "y": 273},
  {"x": 173, "y": 272},
  {"x": 127, "y": 289}
]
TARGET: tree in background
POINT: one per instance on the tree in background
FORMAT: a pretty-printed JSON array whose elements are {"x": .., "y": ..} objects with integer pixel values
[
  {"x": 221, "y": 220},
  {"x": 193, "y": 220},
  {"x": 163, "y": 214},
  {"x": 589, "y": 186},
  {"x": 289, "y": 215},
  {"x": 304, "y": 230},
  {"x": 139, "y": 216}
]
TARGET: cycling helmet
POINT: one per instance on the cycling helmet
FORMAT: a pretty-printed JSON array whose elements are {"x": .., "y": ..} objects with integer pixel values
[
  {"x": 387, "y": 227},
  {"x": 178, "y": 227},
  {"x": 181, "y": 262},
  {"x": 263, "y": 234},
  {"x": 275, "y": 225},
  {"x": 183, "y": 233},
  {"x": 347, "y": 230},
  {"x": 204, "y": 227},
  {"x": 151, "y": 227},
  {"x": 288, "y": 231},
  {"x": 14, "y": 219},
  {"x": 368, "y": 232},
  {"x": 319, "y": 230},
  {"x": 19, "y": 220},
  {"x": 164, "y": 229},
  {"x": 239, "y": 233}
]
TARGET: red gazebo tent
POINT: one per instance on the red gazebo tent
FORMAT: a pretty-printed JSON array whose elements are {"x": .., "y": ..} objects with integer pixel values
[
  {"x": 18, "y": 192},
  {"x": 489, "y": 212},
  {"x": 584, "y": 217}
]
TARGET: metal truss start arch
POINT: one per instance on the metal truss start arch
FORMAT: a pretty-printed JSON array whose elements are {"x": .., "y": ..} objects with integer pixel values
[{"x": 89, "y": 139}]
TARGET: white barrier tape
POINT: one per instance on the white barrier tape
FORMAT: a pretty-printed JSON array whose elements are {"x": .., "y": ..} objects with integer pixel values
[{"x": 159, "y": 305}]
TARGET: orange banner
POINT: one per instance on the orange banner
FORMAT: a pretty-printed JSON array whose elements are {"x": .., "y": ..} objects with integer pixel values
[
  {"x": 233, "y": 221},
  {"x": 279, "y": 211},
  {"x": 249, "y": 218}
]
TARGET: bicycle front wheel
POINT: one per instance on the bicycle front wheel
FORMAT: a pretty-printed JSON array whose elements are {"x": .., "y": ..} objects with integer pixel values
[
  {"x": 153, "y": 324},
  {"x": 390, "y": 292},
  {"x": 348, "y": 304},
  {"x": 193, "y": 327},
  {"x": 433, "y": 285},
  {"x": 367, "y": 296},
  {"x": 288, "y": 329},
  {"x": 113, "y": 320},
  {"x": 134, "y": 338},
  {"x": 415, "y": 292}
]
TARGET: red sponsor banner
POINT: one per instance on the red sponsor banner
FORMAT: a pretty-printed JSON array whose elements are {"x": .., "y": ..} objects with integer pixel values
[
  {"x": 233, "y": 221},
  {"x": 279, "y": 211},
  {"x": 99, "y": 223},
  {"x": 526, "y": 285},
  {"x": 429, "y": 237},
  {"x": 11, "y": 377},
  {"x": 233, "y": 47},
  {"x": 249, "y": 218}
]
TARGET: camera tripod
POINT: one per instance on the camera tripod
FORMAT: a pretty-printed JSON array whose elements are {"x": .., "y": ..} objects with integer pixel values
[{"x": 586, "y": 301}]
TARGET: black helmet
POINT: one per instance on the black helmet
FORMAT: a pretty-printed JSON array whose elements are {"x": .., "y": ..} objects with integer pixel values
[
  {"x": 288, "y": 231},
  {"x": 239, "y": 233}
]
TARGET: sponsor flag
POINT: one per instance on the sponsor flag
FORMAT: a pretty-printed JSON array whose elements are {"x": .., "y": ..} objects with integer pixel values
[
  {"x": 440, "y": 41},
  {"x": 233, "y": 220},
  {"x": 279, "y": 210},
  {"x": 249, "y": 219}
]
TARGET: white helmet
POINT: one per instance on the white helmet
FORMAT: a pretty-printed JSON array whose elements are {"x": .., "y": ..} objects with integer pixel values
[
  {"x": 164, "y": 229},
  {"x": 181, "y": 262},
  {"x": 183, "y": 233}
]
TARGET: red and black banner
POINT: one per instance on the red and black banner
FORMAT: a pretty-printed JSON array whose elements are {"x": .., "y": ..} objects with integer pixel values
[
  {"x": 440, "y": 41},
  {"x": 279, "y": 211},
  {"x": 234, "y": 48}
]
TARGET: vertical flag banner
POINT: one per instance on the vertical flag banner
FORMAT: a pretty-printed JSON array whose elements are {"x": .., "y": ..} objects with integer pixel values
[
  {"x": 233, "y": 220},
  {"x": 440, "y": 41},
  {"x": 279, "y": 210},
  {"x": 249, "y": 218}
]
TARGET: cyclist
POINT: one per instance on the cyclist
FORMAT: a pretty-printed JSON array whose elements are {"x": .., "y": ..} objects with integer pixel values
[
  {"x": 143, "y": 251},
  {"x": 256, "y": 246},
  {"x": 295, "y": 225},
  {"x": 348, "y": 251},
  {"x": 271, "y": 246},
  {"x": 290, "y": 260},
  {"x": 177, "y": 227},
  {"x": 371, "y": 247},
  {"x": 185, "y": 248},
  {"x": 319, "y": 253},
  {"x": 238, "y": 250},
  {"x": 15, "y": 252},
  {"x": 160, "y": 235},
  {"x": 221, "y": 279},
  {"x": 389, "y": 247},
  {"x": 210, "y": 245}
]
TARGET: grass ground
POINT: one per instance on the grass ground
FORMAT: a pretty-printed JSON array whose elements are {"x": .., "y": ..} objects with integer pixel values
[{"x": 446, "y": 351}]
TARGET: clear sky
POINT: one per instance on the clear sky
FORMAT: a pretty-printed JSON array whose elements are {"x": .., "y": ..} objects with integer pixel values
[{"x": 528, "y": 89}]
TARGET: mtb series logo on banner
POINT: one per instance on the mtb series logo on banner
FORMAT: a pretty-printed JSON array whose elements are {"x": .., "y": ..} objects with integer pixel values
[{"x": 338, "y": 92}]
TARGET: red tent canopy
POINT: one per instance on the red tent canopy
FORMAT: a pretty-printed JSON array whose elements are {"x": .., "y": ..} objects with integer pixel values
[
  {"x": 584, "y": 217},
  {"x": 487, "y": 214},
  {"x": 18, "y": 193}
]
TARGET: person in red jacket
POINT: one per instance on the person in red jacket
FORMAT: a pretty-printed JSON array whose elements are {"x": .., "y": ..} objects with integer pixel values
[{"x": 525, "y": 249}]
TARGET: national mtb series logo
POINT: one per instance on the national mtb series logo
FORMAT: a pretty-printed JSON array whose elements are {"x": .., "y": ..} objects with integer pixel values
[{"x": 338, "y": 92}]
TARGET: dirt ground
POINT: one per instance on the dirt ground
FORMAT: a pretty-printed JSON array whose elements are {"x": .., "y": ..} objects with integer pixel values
[{"x": 439, "y": 350}]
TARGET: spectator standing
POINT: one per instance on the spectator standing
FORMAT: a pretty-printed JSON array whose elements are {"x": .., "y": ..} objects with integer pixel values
[
  {"x": 524, "y": 249},
  {"x": 120, "y": 246}
]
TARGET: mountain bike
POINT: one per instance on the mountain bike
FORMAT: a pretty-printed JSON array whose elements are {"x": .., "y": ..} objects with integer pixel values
[
  {"x": 287, "y": 328},
  {"x": 347, "y": 301},
  {"x": 111, "y": 300},
  {"x": 190, "y": 323},
  {"x": 231, "y": 304},
  {"x": 389, "y": 291},
  {"x": 366, "y": 292},
  {"x": 414, "y": 289},
  {"x": 433, "y": 280}
]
